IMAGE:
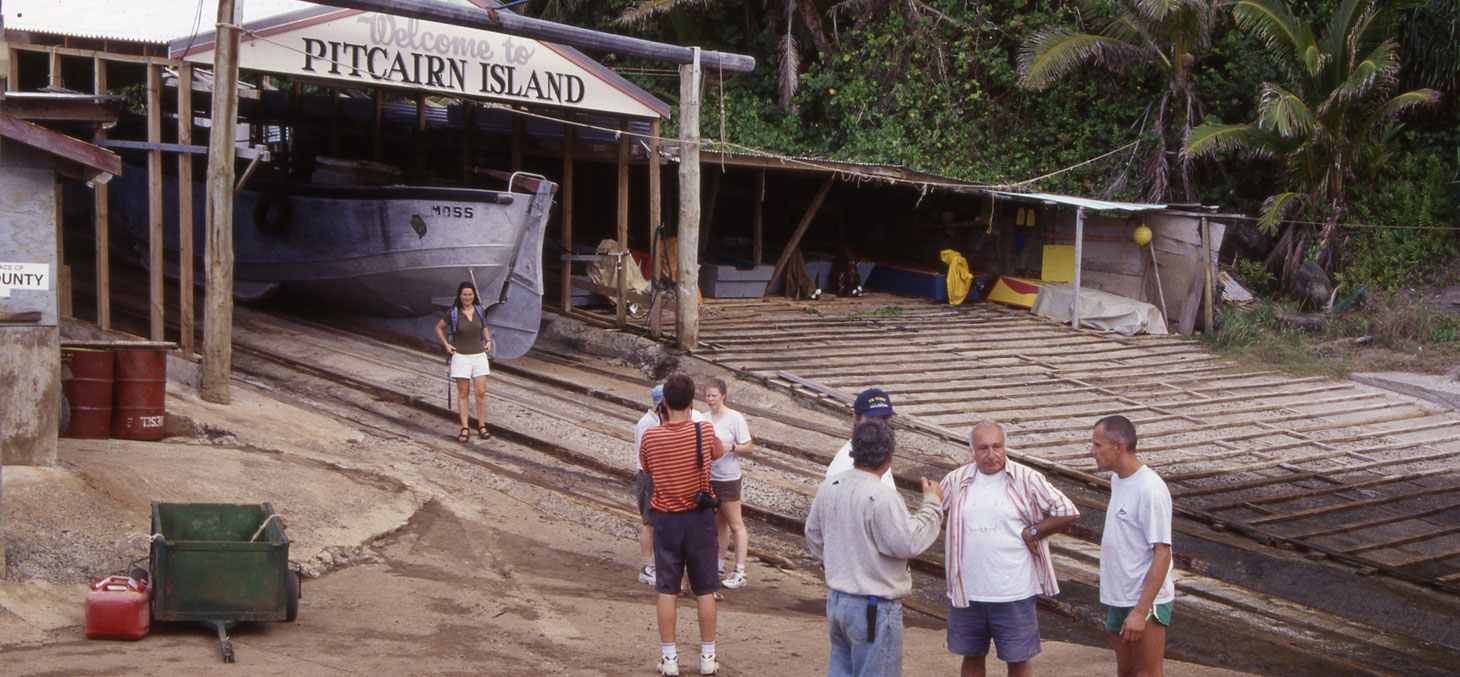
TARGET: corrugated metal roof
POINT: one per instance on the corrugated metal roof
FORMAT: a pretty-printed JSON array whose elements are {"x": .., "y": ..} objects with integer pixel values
[
  {"x": 152, "y": 21},
  {"x": 1088, "y": 203}
]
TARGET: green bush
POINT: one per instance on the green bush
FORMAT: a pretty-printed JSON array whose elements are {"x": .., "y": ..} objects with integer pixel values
[{"x": 1406, "y": 224}]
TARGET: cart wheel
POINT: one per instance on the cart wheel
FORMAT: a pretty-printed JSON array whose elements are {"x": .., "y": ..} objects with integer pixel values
[{"x": 291, "y": 597}]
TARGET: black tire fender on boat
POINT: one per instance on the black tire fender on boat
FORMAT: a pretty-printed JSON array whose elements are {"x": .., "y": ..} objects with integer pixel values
[
  {"x": 273, "y": 213},
  {"x": 291, "y": 597}
]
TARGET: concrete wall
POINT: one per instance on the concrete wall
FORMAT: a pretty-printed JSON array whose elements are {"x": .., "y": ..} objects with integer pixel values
[{"x": 30, "y": 357}]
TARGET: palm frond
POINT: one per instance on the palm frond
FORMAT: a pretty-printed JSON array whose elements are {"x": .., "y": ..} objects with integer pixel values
[
  {"x": 1210, "y": 139},
  {"x": 790, "y": 70},
  {"x": 1275, "y": 26},
  {"x": 1053, "y": 53},
  {"x": 1155, "y": 10},
  {"x": 641, "y": 11},
  {"x": 1274, "y": 208},
  {"x": 1379, "y": 66},
  {"x": 1284, "y": 112},
  {"x": 1390, "y": 109}
]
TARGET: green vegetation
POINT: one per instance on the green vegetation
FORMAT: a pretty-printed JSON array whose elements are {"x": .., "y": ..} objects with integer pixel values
[{"x": 885, "y": 311}]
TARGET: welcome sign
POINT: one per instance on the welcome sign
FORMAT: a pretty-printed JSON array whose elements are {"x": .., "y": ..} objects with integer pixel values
[{"x": 368, "y": 49}]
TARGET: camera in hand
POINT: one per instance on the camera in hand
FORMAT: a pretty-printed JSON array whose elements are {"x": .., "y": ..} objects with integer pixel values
[{"x": 705, "y": 499}]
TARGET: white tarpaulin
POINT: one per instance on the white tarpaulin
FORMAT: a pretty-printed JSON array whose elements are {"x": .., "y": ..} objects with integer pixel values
[{"x": 1099, "y": 310}]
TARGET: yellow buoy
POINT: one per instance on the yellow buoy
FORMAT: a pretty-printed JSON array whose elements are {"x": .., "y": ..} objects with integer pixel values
[{"x": 1142, "y": 234}]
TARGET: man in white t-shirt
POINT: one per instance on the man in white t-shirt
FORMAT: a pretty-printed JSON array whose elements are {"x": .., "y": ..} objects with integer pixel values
[
  {"x": 871, "y": 403},
  {"x": 1000, "y": 514},
  {"x": 644, "y": 484},
  {"x": 1135, "y": 551}
]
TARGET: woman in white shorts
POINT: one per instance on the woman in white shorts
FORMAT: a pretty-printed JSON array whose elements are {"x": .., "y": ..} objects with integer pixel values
[
  {"x": 725, "y": 479},
  {"x": 469, "y": 343}
]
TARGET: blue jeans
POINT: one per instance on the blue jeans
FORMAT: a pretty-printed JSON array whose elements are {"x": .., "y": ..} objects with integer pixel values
[{"x": 851, "y": 654}]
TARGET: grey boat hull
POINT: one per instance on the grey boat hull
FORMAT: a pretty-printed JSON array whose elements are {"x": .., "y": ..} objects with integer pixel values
[{"x": 380, "y": 252}]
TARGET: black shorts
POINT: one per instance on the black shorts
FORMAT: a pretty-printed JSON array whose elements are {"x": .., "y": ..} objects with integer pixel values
[
  {"x": 644, "y": 492},
  {"x": 686, "y": 542},
  {"x": 729, "y": 490}
]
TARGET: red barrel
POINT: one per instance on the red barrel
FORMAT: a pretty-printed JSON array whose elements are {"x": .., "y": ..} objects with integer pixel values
[
  {"x": 118, "y": 607},
  {"x": 89, "y": 392},
  {"x": 140, "y": 394}
]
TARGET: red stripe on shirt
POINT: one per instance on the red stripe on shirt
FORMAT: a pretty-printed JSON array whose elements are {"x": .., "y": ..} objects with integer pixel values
[{"x": 668, "y": 454}]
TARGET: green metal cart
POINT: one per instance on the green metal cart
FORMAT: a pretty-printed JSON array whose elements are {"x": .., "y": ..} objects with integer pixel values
[{"x": 221, "y": 563}]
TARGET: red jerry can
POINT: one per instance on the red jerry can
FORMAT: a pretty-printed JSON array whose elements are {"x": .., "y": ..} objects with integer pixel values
[{"x": 118, "y": 607}]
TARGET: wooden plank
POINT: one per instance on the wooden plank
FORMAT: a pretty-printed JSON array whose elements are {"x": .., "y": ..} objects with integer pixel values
[
  {"x": 54, "y": 70},
  {"x": 55, "y": 143},
  {"x": 795, "y": 240},
  {"x": 1427, "y": 558},
  {"x": 1190, "y": 306},
  {"x": 1348, "y": 505},
  {"x": 1327, "y": 474},
  {"x": 186, "y": 322},
  {"x": 565, "y": 214},
  {"x": 1402, "y": 540},
  {"x": 1208, "y": 325},
  {"x": 63, "y": 269},
  {"x": 93, "y": 54},
  {"x": 155, "y": 287}
]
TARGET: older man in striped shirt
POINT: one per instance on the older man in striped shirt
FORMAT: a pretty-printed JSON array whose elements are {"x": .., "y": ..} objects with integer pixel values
[{"x": 999, "y": 515}]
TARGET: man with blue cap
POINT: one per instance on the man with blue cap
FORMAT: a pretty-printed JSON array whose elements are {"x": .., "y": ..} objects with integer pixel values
[
  {"x": 871, "y": 403},
  {"x": 644, "y": 485}
]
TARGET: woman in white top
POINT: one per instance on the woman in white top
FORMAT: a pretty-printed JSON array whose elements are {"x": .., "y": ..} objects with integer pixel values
[{"x": 734, "y": 434}]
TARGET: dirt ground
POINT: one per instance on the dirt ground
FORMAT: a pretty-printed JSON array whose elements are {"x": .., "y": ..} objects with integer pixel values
[{"x": 416, "y": 564}]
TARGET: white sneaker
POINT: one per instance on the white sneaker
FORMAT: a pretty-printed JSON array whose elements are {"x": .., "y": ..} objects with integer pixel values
[
  {"x": 734, "y": 580},
  {"x": 709, "y": 665},
  {"x": 646, "y": 574},
  {"x": 668, "y": 666}
]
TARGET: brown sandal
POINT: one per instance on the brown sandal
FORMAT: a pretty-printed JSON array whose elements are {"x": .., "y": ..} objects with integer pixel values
[
  {"x": 485, "y": 434},
  {"x": 464, "y": 435}
]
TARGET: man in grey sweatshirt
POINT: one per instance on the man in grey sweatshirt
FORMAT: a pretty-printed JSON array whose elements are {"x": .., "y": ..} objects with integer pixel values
[{"x": 862, "y": 533}]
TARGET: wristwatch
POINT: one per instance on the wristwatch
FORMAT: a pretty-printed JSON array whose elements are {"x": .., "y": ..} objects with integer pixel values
[{"x": 1033, "y": 532}]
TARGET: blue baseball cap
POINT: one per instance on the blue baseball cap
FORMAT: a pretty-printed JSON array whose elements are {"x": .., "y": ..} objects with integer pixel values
[
  {"x": 873, "y": 402},
  {"x": 657, "y": 393}
]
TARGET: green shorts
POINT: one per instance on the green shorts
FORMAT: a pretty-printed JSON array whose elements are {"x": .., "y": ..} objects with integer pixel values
[{"x": 1115, "y": 617}]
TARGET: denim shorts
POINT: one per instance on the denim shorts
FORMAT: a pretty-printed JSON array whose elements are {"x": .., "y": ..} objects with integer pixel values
[{"x": 1013, "y": 627}]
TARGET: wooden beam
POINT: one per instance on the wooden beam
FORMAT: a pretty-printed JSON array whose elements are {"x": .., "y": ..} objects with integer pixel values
[
  {"x": 156, "y": 292},
  {"x": 795, "y": 240},
  {"x": 186, "y": 324},
  {"x": 101, "y": 218},
  {"x": 757, "y": 217},
  {"x": 687, "y": 320},
  {"x": 56, "y": 143},
  {"x": 1208, "y": 324},
  {"x": 218, "y": 251},
  {"x": 1079, "y": 265},
  {"x": 54, "y": 70},
  {"x": 94, "y": 53},
  {"x": 12, "y": 70},
  {"x": 619, "y": 315},
  {"x": 565, "y": 212},
  {"x": 548, "y": 31},
  {"x": 63, "y": 269}
]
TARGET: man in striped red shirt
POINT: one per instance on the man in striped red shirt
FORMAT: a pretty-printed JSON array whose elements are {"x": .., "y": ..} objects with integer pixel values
[
  {"x": 677, "y": 456},
  {"x": 999, "y": 515}
]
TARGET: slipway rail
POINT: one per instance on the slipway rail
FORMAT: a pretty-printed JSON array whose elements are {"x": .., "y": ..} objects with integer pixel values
[{"x": 1336, "y": 469}]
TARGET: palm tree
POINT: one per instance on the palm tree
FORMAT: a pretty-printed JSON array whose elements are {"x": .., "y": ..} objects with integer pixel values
[
  {"x": 1166, "y": 36},
  {"x": 1333, "y": 119}
]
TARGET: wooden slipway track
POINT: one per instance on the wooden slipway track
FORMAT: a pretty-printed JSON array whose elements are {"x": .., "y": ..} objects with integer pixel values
[
  {"x": 1361, "y": 475},
  {"x": 1245, "y": 604}
]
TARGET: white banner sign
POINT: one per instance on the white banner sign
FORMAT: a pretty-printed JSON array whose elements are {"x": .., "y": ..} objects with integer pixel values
[
  {"x": 32, "y": 276},
  {"x": 369, "y": 49}
]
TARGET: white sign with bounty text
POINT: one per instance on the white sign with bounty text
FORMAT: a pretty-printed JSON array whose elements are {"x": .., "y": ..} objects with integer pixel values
[
  {"x": 33, "y": 276},
  {"x": 367, "y": 49}
]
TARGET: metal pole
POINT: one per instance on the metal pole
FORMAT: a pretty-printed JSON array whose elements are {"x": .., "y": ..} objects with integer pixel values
[{"x": 1079, "y": 256}]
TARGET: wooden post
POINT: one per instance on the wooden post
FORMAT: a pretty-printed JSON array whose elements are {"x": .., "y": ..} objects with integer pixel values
[
  {"x": 517, "y": 133},
  {"x": 63, "y": 269},
  {"x": 1206, "y": 260},
  {"x": 468, "y": 115},
  {"x": 101, "y": 218},
  {"x": 186, "y": 326},
  {"x": 420, "y": 134},
  {"x": 624, "y": 261},
  {"x": 565, "y": 214},
  {"x": 12, "y": 69},
  {"x": 154, "y": 202},
  {"x": 806, "y": 219},
  {"x": 757, "y": 218},
  {"x": 1079, "y": 258},
  {"x": 334, "y": 121},
  {"x": 218, "y": 252},
  {"x": 54, "y": 79},
  {"x": 377, "y": 118},
  {"x": 656, "y": 218},
  {"x": 687, "y": 313}
]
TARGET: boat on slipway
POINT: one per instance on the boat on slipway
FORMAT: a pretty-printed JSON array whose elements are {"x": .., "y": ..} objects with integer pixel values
[{"x": 392, "y": 254}]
